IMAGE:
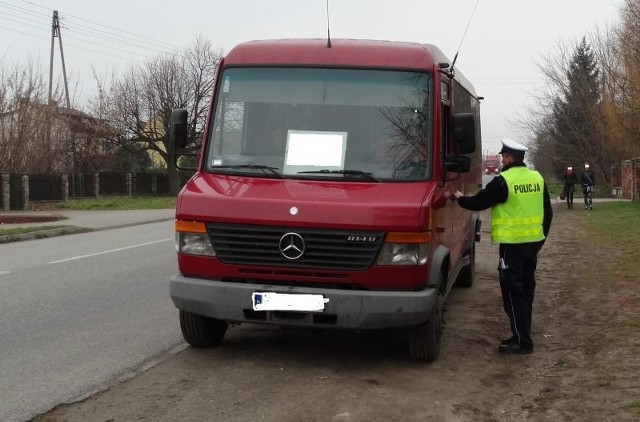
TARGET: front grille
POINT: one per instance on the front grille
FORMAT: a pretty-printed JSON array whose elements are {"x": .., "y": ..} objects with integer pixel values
[{"x": 324, "y": 249}]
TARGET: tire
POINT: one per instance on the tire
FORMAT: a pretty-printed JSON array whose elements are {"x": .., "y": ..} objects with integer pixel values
[
  {"x": 425, "y": 339},
  {"x": 467, "y": 273},
  {"x": 201, "y": 331}
]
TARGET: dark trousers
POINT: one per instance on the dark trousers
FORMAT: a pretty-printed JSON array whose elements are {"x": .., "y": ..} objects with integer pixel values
[
  {"x": 569, "y": 190},
  {"x": 517, "y": 268}
]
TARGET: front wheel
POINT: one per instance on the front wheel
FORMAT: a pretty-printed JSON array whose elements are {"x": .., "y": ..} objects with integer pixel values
[
  {"x": 201, "y": 331},
  {"x": 425, "y": 339}
]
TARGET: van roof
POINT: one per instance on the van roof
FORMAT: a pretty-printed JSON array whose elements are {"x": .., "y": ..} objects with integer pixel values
[{"x": 345, "y": 53}]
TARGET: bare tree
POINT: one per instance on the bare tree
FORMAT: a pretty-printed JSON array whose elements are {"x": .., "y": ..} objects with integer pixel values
[
  {"x": 141, "y": 100},
  {"x": 606, "y": 121},
  {"x": 28, "y": 137},
  {"x": 619, "y": 53},
  {"x": 567, "y": 120}
]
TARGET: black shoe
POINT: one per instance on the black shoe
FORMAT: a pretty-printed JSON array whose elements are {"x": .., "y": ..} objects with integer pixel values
[
  {"x": 515, "y": 349},
  {"x": 509, "y": 340}
]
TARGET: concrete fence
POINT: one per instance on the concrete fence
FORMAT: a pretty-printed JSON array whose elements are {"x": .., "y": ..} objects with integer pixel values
[{"x": 18, "y": 192}]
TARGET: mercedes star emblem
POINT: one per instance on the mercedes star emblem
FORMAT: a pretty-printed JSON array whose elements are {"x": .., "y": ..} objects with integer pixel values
[{"x": 292, "y": 246}]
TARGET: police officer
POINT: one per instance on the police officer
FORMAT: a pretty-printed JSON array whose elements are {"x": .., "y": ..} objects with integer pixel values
[{"x": 521, "y": 217}]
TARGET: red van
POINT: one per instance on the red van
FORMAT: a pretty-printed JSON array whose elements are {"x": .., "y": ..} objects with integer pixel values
[{"x": 318, "y": 199}]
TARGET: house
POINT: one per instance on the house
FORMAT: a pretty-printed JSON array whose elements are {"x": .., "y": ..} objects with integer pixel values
[{"x": 38, "y": 138}]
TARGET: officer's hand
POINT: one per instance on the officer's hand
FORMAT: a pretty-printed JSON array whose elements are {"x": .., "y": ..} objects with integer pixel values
[{"x": 453, "y": 195}]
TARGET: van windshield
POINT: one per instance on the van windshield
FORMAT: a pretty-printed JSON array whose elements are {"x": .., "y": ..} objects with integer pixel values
[{"x": 352, "y": 124}]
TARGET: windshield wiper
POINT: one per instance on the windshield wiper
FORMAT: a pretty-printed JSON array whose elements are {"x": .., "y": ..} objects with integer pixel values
[
  {"x": 346, "y": 172},
  {"x": 266, "y": 169}
]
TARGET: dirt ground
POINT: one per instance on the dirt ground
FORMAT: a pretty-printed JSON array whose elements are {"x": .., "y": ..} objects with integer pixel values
[{"x": 585, "y": 366}]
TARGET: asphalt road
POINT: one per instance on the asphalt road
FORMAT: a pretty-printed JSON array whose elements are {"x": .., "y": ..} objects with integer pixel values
[{"x": 80, "y": 311}]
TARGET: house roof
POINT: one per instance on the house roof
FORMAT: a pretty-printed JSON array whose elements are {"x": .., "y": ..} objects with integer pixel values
[{"x": 77, "y": 120}]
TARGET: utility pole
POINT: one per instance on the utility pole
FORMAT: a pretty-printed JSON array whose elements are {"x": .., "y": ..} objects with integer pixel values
[{"x": 55, "y": 32}]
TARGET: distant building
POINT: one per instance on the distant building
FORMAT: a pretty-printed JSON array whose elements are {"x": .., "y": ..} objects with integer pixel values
[{"x": 37, "y": 138}]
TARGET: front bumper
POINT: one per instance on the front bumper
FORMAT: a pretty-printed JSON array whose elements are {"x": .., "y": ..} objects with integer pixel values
[{"x": 349, "y": 309}]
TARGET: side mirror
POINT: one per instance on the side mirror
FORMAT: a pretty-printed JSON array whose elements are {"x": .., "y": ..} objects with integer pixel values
[
  {"x": 464, "y": 133},
  {"x": 457, "y": 163},
  {"x": 178, "y": 129}
]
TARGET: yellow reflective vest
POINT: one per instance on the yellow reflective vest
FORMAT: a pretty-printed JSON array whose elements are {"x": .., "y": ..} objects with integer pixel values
[{"x": 519, "y": 218}]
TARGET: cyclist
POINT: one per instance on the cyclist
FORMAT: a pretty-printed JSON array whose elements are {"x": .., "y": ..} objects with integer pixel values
[
  {"x": 569, "y": 178},
  {"x": 588, "y": 182}
]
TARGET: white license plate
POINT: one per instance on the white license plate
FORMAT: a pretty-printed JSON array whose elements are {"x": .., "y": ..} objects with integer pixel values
[{"x": 269, "y": 301}]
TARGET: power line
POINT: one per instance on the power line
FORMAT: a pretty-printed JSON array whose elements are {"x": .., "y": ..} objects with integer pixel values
[
  {"x": 22, "y": 32},
  {"x": 102, "y": 52},
  {"x": 89, "y": 34},
  {"x": 114, "y": 39},
  {"x": 20, "y": 22},
  {"x": 35, "y": 4},
  {"x": 24, "y": 10},
  {"x": 129, "y": 53},
  {"x": 118, "y": 31},
  {"x": 504, "y": 81}
]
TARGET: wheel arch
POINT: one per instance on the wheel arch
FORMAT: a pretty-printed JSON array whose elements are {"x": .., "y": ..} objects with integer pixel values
[{"x": 440, "y": 263}]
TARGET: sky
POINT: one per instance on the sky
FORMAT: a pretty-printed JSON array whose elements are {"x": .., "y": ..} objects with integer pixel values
[{"x": 500, "y": 43}]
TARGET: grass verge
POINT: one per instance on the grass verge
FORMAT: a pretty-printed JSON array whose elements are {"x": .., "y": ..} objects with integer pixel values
[
  {"x": 111, "y": 203},
  {"x": 22, "y": 230},
  {"x": 94, "y": 204},
  {"x": 619, "y": 223}
]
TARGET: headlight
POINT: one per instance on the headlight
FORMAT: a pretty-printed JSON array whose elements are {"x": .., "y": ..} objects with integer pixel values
[
  {"x": 192, "y": 238},
  {"x": 405, "y": 249}
]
